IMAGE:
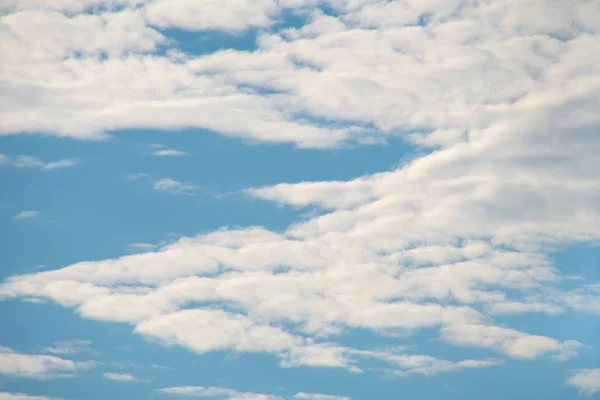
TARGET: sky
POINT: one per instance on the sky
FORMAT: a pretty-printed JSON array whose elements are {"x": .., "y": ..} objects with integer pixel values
[{"x": 299, "y": 199}]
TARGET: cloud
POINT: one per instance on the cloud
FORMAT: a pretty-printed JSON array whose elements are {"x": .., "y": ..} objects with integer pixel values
[
  {"x": 511, "y": 342},
  {"x": 23, "y": 396},
  {"x": 587, "y": 381},
  {"x": 69, "y": 347},
  {"x": 163, "y": 151},
  {"x": 141, "y": 247},
  {"x": 449, "y": 76},
  {"x": 173, "y": 186},
  {"x": 502, "y": 108},
  {"x": 231, "y": 394},
  {"x": 318, "y": 396},
  {"x": 584, "y": 299},
  {"x": 27, "y": 214},
  {"x": 229, "y": 15},
  {"x": 216, "y": 393},
  {"x": 114, "y": 376},
  {"x": 169, "y": 153},
  {"x": 34, "y": 162},
  {"x": 38, "y": 366}
]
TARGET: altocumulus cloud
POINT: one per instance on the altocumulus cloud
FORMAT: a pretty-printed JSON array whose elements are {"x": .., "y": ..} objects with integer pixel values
[{"x": 446, "y": 242}]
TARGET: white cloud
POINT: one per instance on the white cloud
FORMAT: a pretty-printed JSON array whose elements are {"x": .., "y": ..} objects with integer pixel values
[
  {"x": 115, "y": 376},
  {"x": 506, "y": 111},
  {"x": 231, "y": 394},
  {"x": 584, "y": 299},
  {"x": 163, "y": 151},
  {"x": 216, "y": 393},
  {"x": 23, "y": 396},
  {"x": 511, "y": 342},
  {"x": 34, "y": 162},
  {"x": 38, "y": 366},
  {"x": 169, "y": 153},
  {"x": 319, "y": 396},
  {"x": 27, "y": 214},
  {"x": 407, "y": 364},
  {"x": 69, "y": 347},
  {"x": 587, "y": 381},
  {"x": 230, "y": 15},
  {"x": 173, "y": 186}
]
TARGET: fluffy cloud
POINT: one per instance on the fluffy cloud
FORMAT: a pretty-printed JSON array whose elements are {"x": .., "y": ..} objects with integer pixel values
[
  {"x": 587, "y": 381},
  {"x": 38, "y": 366},
  {"x": 230, "y": 15}
]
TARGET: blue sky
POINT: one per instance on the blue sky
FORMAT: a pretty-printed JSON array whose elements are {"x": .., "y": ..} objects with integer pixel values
[{"x": 299, "y": 199}]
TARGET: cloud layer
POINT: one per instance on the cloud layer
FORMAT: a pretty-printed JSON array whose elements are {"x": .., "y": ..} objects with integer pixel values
[{"x": 500, "y": 107}]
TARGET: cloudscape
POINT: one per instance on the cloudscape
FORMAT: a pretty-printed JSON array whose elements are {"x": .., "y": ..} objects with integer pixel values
[{"x": 300, "y": 199}]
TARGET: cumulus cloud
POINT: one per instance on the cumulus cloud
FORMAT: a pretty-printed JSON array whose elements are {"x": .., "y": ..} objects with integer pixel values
[
  {"x": 587, "y": 381},
  {"x": 38, "y": 366},
  {"x": 27, "y": 214}
]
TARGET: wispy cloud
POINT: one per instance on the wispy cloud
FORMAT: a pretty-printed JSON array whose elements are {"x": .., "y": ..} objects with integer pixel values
[
  {"x": 135, "y": 177},
  {"x": 69, "y": 347},
  {"x": 34, "y": 162},
  {"x": 163, "y": 151},
  {"x": 216, "y": 393},
  {"x": 231, "y": 394},
  {"x": 38, "y": 366},
  {"x": 137, "y": 247},
  {"x": 23, "y": 396},
  {"x": 319, "y": 396},
  {"x": 173, "y": 186},
  {"x": 27, "y": 214},
  {"x": 115, "y": 376}
]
